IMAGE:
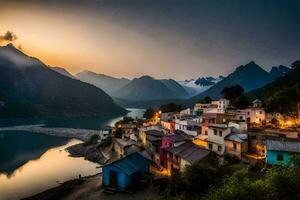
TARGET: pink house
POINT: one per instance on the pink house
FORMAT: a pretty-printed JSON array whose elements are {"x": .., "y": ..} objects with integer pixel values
[{"x": 170, "y": 141}]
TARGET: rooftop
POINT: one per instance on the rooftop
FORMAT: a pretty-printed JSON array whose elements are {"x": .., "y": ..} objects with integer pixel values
[
  {"x": 288, "y": 146},
  {"x": 190, "y": 152},
  {"x": 129, "y": 164},
  {"x": 237, "y": 137}
]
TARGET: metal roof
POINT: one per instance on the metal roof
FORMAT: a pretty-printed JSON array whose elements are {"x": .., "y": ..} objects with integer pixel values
[
  {"x": 288, "y": 146},
  {"x": 190, "y": 152},
  {"x": 129, "y": 164},
  {"x": 237, "y": 137}
]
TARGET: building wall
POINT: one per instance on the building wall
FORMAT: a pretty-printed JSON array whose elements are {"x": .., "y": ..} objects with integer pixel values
[
  {"x": 272, "y": 157},
  {"x": 240, "y": 148}
]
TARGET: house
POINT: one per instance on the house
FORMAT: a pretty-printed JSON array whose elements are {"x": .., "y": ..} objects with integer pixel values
[
  {"x": 168, "y": 125},
  {"x": 123, "y": 173},
  {"x": 152, "y": 139},
  {"x": 236, "y": 144},
  {"x": 222, "y": 105},
  {"x": 105, "y": 132},
  {"x": 255, "y": 113},
  {"x": 188, "y": 125},
  {"x": 281, "y": 151},
  {"x": 216, "y": 137},
  {"x": 124, "y": 147},
  {"x": 173, "y": 140},
  {"x": 185, "y": 154}
]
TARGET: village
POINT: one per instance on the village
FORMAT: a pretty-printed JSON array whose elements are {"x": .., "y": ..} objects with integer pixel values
[{"x": 168, "y": 142}]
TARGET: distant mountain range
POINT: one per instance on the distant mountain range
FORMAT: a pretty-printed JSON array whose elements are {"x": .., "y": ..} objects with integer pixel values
[
  {"x": 250, "y": 76},
  {"x": 197, "y": 86},
  {"x": 148, "y": 88},
  {"x": 29, "y": 87},
  {"x": 108, "y": 84},
  {"x": 282, "y": 95},
  {"x": 62, "y": 71}
]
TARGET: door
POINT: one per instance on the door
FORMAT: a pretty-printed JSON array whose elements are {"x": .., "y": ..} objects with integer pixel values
[{"x": 113, "y": 181}]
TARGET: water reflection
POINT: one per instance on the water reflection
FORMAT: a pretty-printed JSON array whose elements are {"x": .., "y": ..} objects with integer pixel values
[
  {"x": 17, "y": 147},
  {"x": 43, "y": 173}
]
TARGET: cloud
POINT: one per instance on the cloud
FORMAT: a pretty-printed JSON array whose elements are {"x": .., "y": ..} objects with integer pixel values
[{"x": 9, "y": 36}]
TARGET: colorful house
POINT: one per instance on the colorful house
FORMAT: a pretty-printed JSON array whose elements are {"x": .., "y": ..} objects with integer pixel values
[
  {"x": 125, "y": 172},
  {"x": 236, "y": 144},
  {"x": 280, "y": 152},
  {"x": 185, "y": 154}
]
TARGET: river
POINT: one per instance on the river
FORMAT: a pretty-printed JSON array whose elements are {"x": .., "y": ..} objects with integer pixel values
[{"x": 31, "y": 163}]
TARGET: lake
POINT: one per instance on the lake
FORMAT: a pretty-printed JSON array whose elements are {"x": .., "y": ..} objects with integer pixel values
[{"x": 31, "y": 162}]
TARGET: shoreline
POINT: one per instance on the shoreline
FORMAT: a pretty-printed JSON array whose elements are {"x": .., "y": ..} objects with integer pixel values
[{"x": 72, "y": 133}]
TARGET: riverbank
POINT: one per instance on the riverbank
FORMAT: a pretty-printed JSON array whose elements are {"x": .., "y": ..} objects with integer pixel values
[
  {"x": 80, "y": 134},
  {"x": 89, "y": 188},
  {"x": 92, "y": 152}
]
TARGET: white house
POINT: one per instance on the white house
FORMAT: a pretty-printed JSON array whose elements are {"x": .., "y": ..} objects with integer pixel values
[
  {"x": 190, "y": 126},
  {"x": 222, "y": 105},
  {"x": 255, "y": 113},
  {"x": 216, "y": 135}
]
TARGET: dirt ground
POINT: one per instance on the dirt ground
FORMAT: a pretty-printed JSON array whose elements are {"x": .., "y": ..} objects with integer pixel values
[{"x": 91, "y": 190}]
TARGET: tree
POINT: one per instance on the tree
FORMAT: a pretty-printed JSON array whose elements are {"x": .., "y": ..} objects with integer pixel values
[
  {"x": 296, "y": 64},
  {"x": 170, "y": 107},
  {"x": 207, "y": 99},
  {"x": 240, "y": 102},
  {"x": 232, "y": 92},
  {"x": 149, "y": 113}
]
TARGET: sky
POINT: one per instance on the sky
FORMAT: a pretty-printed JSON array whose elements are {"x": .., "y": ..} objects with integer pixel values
[{"x": 179, "y": 39}]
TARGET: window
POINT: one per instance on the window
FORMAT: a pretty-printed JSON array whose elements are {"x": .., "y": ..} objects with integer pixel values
[
  {"x": 234, "y": 146},
  {"x": 279, "y": 157},
  {"x": 215, "y": 132},
  {"x": 219, "y": 148},
  {"x": 206, "y": 132},
  {"x": 210, "y": 146},
  {"x": 220, "y": 133}
]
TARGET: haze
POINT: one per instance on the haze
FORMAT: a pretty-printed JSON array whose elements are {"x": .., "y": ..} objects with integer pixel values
[{"x": 165, "y": 39}]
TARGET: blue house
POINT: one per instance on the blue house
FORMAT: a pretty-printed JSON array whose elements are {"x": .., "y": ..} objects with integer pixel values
[
  {"x": 280, "y": 152},
  {"x": 122, "y": 173}
]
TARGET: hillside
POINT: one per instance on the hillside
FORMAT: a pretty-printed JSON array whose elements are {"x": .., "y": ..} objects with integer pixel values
[
  {"x": 29, "y": 88},
  {"x": 249, "y": 76},
  {"x": 145, "y": 88},
  {"x": 62, "y": 71},
  {"x": 107, "y": 83},
  {"x": 282, "y": 95},
  {"x": 177, "y": 90}
]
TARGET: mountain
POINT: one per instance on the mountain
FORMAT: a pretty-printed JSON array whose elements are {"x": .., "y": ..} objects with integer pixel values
[
  {"x": 282, "y": 95},
  {"x": 279, "y": 71},
  {"x": 62, "y": 71},
  {"x": 146, "y": 88},
  {"x": 177, "y": 90},
  {"x": 249, "y": 76},
  {"x": 194, "y": 87},
  {"x": 107, "y": 83},
  {"x": 30, "y": 88}
]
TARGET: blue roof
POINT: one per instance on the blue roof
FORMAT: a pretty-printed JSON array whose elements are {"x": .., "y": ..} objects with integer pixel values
[{"x": 130, "y": 164}]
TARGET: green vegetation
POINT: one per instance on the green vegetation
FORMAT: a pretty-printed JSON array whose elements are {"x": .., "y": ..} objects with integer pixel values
[
  {"x": 92, "y": 140},
  {"x": 149, "y": 113},
  {"x": 282, "y": 95},
  {"x": 170, "y": 107},
  {"x": 106, "y": 142},
  {"x": 236, "y": 96},
  {"x": 234, "y": 181}
]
